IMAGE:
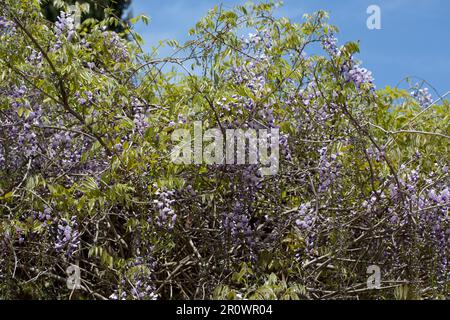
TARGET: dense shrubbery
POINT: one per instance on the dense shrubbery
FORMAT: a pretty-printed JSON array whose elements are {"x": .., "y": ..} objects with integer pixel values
[{"x": 86, "y": 177}]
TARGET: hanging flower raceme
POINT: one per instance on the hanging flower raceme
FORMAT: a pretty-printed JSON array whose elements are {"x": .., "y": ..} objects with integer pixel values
[
  {"x": 353, "y": 72},
  {"x": 238, "y": 224},
  {"x": 64, "y": 27},
  {"x": 329, "y": 43},
  {"x": 422, "y": 95},
  {"x": 306, "y": 219},
  {"x": 6, "y": 26},
  {"x": 116, "y": 46},
  {"x": 68, "y": 237},
  {"x": 166, "y": 217}
]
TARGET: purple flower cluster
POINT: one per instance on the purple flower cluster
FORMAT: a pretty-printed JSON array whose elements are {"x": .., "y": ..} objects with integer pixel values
[
  {"x": 18, "y": 125},
  {"x": 32, "y": 133},
  {"x": 305, "y": 221},
  {"x": 251, "y": 75},
  {"x": 20, "y": 235},
  {"x": 6, "y": 26},
  {"x": 251, "y": 178},
  {"x": 68, "y": 237},
  {"x": 238, "y": 224},
  {"x": 257, "y": 42},
  {"x": 85, "y": 98},
  {"x": 376, "y": 154},
  {"x": 329, "y": 43},
  {"x": 253, "y": 39},
  {"x": 116, "y": 46},
  {"x": 427, "y": 210},
  {"x": 328, "y": 170},
  {"x": 65, "y": 26},
  {"x": 434, "y": 225},
  {"x": 139, "y": 289},
  {"x": 35, "y": 58},
  {"x": 2, "y": 157},
  {"x": 3, "y": 23},
  {"x": 43, "y": 216},
  {"x": 315, "y": 111},
  {"x": 285, "y": 148},
  {"x": 352, "y": 72},
  {"x": 422, "y": 95},
  {"x": 140, "y": 114},
  {"x": 166, "y": 215},
  {"x": 46, "y": 215}
]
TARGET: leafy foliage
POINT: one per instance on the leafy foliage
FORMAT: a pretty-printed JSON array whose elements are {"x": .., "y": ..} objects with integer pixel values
[
  {"x": 85, "y": 174},
  {"x": 111, "y": 10}
]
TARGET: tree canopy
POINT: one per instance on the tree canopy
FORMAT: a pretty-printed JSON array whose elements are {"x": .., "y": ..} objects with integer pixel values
[{"x": 86, "y": 178}]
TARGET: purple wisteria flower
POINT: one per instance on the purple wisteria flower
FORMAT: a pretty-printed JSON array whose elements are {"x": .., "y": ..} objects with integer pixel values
[
  {"x": 6, "y": 26},
  {"x": 328, "y": 169},
  {"x": 355, "y": 73},
  {"x": 329, "y": 43},
  {"x": 351, "y": 71},
  {"x": 68, "y": 237},
  {"x": 166, "y": 214},
  {"x": 65, "y": 25},
  {"x": 3, "y": 23},
  {"x": 35, "y": 58},
  {"x": 140, "y": 114},
  {"x": 422, "y": 95},
  {"x": 305, "y": 221},
  {"x": 238, "y": 224},
  {"x": 116, "y": 46},
  {"x": 285, "y": 148}
]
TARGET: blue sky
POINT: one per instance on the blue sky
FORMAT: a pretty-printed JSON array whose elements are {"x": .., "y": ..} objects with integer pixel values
[{"x": 413, "y": 41}]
